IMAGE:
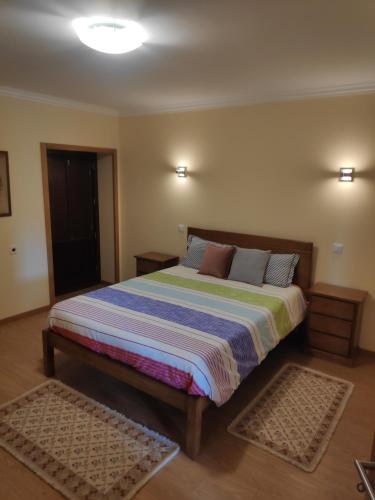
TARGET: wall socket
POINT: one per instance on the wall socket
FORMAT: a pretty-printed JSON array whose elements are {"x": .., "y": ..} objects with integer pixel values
[
  {"x": 337, "y": 248},
  {"x": 181, "y": 228}
]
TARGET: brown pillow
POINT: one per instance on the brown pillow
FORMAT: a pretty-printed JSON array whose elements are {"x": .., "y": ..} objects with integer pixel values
[{"x": 217, "y": 261}]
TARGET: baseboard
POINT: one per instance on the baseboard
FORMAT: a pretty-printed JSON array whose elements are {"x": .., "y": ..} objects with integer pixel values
[
  {"x": 366, "y": 351},
  {"x": 25, "y": 314},
  {"x": 46, "y": 308}
]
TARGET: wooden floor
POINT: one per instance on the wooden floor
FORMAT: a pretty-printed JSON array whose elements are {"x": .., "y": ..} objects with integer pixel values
[{"x": 228, "y": 468}]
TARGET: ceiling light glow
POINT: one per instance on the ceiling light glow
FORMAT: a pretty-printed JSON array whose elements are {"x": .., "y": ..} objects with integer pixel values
[{"x": 112, "y": 36}]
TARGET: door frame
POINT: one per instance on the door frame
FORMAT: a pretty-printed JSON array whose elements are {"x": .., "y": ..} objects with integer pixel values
[{"x": 44, "y": 148}]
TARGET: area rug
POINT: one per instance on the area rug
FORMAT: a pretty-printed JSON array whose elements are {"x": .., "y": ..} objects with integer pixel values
[
  {"x": 80, "y": 447},
  {"x": 295, "y": 415}
]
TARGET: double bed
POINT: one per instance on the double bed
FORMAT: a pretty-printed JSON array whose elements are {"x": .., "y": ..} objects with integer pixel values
[{"x": 183, "y": 337}]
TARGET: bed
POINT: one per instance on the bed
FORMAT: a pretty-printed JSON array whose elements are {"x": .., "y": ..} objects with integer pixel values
[{"x": 185, "y": 338}]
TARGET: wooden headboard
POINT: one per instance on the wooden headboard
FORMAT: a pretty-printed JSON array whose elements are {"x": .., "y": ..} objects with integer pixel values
[{"x": 302, "y": 276}]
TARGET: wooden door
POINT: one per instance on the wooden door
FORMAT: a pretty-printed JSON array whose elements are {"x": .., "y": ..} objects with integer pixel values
[{"x": 73, "y": 191}]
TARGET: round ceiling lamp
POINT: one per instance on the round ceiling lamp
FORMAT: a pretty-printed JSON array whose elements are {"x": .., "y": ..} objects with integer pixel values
[{"x": 112, "y": 36}]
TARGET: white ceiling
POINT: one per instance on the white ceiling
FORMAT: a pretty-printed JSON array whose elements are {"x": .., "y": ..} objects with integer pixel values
[{"x": 200, "y": 53}]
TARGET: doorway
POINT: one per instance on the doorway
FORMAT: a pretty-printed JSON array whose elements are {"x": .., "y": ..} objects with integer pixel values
[
  {"x": 73, "y": 197},
  {"x": 80, "y": 198}
]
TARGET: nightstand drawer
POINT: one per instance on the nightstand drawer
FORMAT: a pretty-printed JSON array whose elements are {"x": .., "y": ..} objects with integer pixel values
[
  {"x": 146, "y": 266},
  {"x": 329, "y": 343},
  {"x": 335, "y": 326},
  {"x": 331, "y": 307}
]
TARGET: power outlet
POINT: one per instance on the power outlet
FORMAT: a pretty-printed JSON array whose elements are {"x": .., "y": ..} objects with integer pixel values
[{"x": 337, "y": 248}]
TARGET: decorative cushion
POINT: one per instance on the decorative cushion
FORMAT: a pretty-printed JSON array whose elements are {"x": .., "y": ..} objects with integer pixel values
[
  {"x": 249, "y": 265},
  {"x": 280, "y": 269},
  {"x": 216, "y": 261},
  {"x": 195, "y": 250}
]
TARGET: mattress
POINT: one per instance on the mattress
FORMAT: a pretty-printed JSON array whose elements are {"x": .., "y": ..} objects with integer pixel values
[{"x": 197, "y": 333}]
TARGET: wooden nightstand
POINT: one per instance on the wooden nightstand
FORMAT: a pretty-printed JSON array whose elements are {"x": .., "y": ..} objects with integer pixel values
[
  {"x": 334, "y": 321},
  {"x": 153, "y": 261}
]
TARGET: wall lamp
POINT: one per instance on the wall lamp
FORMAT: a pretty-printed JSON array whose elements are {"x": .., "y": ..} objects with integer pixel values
[
  {"x": 181, "y": 171},
  {"x": 346, "y": 174}
]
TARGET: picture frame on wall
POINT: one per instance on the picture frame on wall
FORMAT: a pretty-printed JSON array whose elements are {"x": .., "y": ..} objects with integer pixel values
[{"x": 5, "y": 204}]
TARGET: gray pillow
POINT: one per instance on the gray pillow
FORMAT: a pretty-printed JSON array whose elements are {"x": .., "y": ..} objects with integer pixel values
[
  {"x": 280, "y": 269},
  {"x": 195, "y": 251},
  {"x": 249, "y": 265}
]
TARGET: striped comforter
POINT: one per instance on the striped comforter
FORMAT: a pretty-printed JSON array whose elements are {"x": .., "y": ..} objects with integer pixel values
[{"x": 197, "y": 333}]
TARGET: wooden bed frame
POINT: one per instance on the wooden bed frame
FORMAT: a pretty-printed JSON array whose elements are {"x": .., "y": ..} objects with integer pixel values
[{"x": 193, "y": 406}]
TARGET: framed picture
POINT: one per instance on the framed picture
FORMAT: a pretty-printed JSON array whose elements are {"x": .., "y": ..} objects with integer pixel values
[{"x": 5, "y": 206}]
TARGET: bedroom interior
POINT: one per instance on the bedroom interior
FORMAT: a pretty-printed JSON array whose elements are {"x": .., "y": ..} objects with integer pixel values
[{"x": 230, "y": 330}]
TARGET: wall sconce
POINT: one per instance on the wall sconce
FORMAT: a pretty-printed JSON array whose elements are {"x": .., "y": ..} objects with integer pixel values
[
  {"x": 346, "y": 174},
  {"x": 181, "y": 171}
]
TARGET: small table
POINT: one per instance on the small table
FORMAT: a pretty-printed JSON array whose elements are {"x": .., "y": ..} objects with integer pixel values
[
  {"x": 150, "y": 262},
  {"x": 334, "y": 321}
]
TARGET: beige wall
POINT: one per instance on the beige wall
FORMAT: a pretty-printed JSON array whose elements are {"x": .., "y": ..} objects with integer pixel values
[
  {"x": 106, "y": 218},
  {"x": 23, "y": 126},
  {"x": 266, "y": 169}
]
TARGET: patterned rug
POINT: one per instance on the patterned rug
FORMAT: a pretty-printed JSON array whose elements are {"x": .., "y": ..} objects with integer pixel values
[
  {"x": 295, "y": 415},
  {"x": 80, "y": 447}
]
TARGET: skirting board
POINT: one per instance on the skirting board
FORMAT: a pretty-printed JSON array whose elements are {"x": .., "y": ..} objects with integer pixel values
[
  {"x": 31, "y": 312},
  {"x": 25, "y": 314}
]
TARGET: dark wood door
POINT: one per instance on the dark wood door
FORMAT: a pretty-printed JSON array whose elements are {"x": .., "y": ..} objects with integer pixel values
[{"x": 73, "y": 191}]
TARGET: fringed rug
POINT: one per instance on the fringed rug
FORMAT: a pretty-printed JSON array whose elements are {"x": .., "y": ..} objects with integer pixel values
[
  {"x": 295, "y": 415},
  {"x": 80, "y": 447}
]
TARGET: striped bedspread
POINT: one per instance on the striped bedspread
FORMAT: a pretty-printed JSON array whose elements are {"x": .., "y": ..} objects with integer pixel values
[{"x": 197, "y": 333}]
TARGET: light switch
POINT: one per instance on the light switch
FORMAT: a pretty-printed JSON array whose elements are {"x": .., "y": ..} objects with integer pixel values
[
  {"x": 337, "y": 248},
  {"x": 181, "y": 228}
]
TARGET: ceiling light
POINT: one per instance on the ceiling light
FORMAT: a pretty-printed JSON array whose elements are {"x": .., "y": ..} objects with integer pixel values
[{"x": 112, "y": 36}]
